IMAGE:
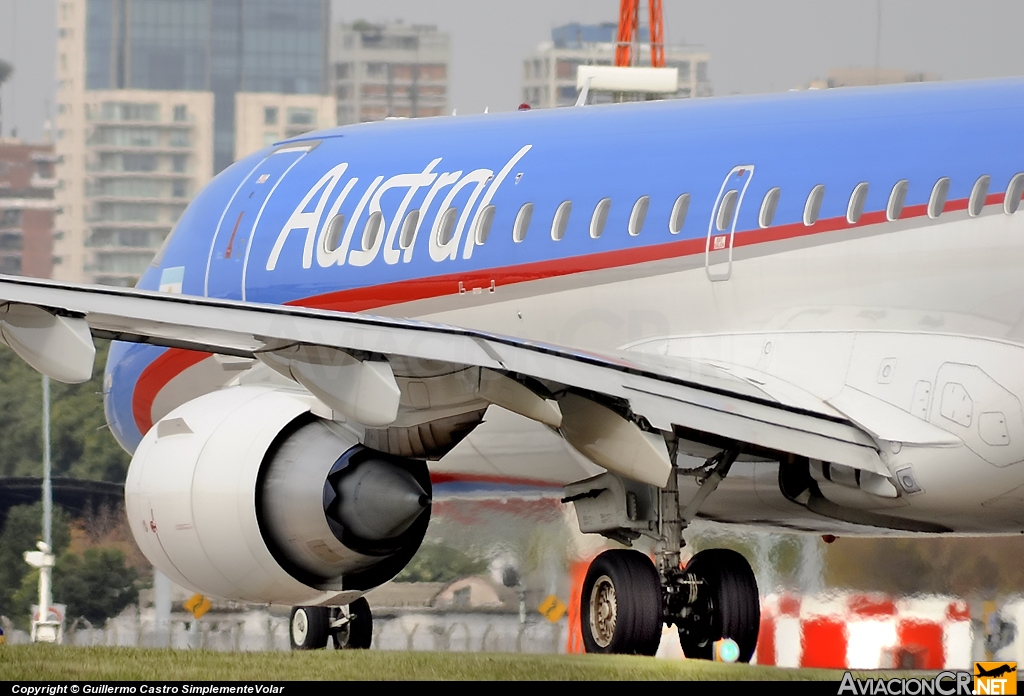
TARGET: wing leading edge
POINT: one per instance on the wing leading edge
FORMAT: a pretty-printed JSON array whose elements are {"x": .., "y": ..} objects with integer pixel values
[{"x": 691, "y": 398}]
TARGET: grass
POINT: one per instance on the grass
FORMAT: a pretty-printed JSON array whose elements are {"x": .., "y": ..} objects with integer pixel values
[{"x": 46, "y": 662}]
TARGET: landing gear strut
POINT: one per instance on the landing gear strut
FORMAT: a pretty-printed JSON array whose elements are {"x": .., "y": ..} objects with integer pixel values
[
  {"x": 348, "y": 627},
  {"x": 626, "y": 597}
]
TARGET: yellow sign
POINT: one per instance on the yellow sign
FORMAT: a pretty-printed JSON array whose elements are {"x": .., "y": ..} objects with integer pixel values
[
  {"x": 995, "y": 678},
  {"x": 198, "y": 605},
  {"x": 552, "y": 609}
]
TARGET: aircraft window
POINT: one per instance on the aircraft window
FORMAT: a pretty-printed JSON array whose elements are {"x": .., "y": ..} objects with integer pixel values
[
  {"x": 522, "y": 222},
  {"x": 678, "y": 217},
  {"x": 639, "y": 214},
  {"x": 371, "y": 230},
  {"x": 978, "y": 195},
  {"x": 447, "y": 227},
  {"x": 409, "y": 229},
  {"x": 561, "y": 220},
  {"x": 813, "y": 206},
  {"x": 937, "y": 201},
  {"x": 483, "y": 225},
  {"x": 600, "y": 217},
  {"x": 1013, "y": 194},
  {"x": 896, "y": 200},
  {"x": 332, "y": 237},
  {"x": 768, "y": 206},
  {"x": 857, "y": 200},
  {"x": 726, "y": 210}
]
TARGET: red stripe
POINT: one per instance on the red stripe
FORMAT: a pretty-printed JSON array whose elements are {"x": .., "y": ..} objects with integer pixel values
[
  {"x": 155, "y": 377},
  {"x": 175, "y": 360},
  {"x": 867, "y": 605},
  {"x": 374, "y": 297},
  {"x": 442, "y": 478}
]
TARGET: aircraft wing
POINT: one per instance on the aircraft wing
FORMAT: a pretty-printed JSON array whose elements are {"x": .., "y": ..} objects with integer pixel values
[{"x": 49, "y": 324}]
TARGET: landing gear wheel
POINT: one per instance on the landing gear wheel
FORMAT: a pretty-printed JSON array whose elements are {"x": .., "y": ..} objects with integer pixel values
[
  {"x": 620, "y": 606},
  {"x": 357, "y": 634},
  {"x": 729, "y": 606},
  {"x": 308, "y": 628}
]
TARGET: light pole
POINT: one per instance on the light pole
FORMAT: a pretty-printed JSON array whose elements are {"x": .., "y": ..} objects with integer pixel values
[{"x": 44, "y": 630}]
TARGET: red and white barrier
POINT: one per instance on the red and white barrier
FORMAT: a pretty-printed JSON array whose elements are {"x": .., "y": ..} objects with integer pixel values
[{"x": 860, "y": 631}]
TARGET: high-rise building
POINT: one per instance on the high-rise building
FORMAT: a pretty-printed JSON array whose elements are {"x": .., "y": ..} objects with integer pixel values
[
  {"x": 26, "y": 208},
  {"x": 549, "y": 74},
  {"x": 396, "y": 70},
  {"x": 149, "y": 97}
]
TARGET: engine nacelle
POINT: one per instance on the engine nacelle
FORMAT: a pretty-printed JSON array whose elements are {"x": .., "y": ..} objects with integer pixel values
[{"x": 243, "y": 493}]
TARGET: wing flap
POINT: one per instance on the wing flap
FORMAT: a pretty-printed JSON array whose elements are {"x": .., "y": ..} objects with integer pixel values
[{"x": 717, "y": 404}]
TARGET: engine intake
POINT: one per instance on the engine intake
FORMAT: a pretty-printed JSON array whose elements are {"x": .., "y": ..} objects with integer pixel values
[{"x": 245, "y": 494}]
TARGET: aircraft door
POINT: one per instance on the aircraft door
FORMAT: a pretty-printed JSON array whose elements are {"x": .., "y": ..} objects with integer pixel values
[
  {"x": 225, "y": 271},
  {"x": 722, "y": 226}
]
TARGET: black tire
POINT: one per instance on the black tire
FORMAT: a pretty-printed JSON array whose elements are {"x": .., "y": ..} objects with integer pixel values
[
  {"x": 628, "y": 583},
  {"x": 358, "y": 633},
  {"x": 308, "y": 628},
  {"x": 730, "y": 608}
]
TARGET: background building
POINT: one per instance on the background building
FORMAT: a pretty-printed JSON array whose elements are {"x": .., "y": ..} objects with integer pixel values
[
  {"x": 26, "y": 208},
  {"x": 863, "y": 77},
  {"x": 148, "y": 101},
  {"x": 263, "y": 118},
  {"x": 389, "y": 70},
  {"x": 549, "y": 74}
]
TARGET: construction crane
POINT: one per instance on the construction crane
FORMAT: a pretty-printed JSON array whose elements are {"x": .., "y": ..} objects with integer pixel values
[{"x": 627, "y": 48}]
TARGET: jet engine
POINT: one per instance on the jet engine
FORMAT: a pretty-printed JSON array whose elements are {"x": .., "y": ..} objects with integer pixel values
[{"x": 245, "y": 494}]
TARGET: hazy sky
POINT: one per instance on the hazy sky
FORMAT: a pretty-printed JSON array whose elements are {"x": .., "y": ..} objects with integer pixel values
[{"x": 755, "y": 45}]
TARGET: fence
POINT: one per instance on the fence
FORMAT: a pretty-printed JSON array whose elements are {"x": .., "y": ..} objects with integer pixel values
[{"x": 262, "y": 630}]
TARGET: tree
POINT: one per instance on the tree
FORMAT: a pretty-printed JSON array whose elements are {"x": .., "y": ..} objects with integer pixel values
[
  {"x": 440, "y": 563},
  {"x": 83, "y": 446},
  {"x": 22, "y": 530},
  {"x": 96, "y": 586}
]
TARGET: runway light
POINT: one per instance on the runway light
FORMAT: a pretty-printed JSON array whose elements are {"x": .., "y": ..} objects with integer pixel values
[{"x": 726, "y": 650}]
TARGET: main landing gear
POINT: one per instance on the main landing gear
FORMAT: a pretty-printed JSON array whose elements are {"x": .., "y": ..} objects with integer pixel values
[
  {"x": 626, "y": 597},
  {"x": 348, "y": 627}
]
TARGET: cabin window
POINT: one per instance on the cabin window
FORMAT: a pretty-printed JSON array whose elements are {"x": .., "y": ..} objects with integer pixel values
[
  {"x": 1013, "y": 194},
  {"x": 483, "y": 224},
  {"x": 409, "y": 229},
  {"x": 561, "y": 220},
  {"x": 813, "y": 206},
  {"x": 978, "y": 195},
  {"x": 522, "y": 223},
  {"x": 446, "y": 228},
  {"x": 857, "y": 200},
  {"x": 600, "y": 217},
  {"x": 726, "y": 210},
  {"x": 678, "y": 217},
  {"x": 937, "y": 201},
  {"x": 332, "y": 236},
  {"x": 897, "y": 198},
  {"x": 768, "y": 207},
  {"x": 372, "y": 230},
  {"x": 639, "y": 214}
]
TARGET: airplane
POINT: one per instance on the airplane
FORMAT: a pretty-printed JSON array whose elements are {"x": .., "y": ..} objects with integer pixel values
[
  {"x": 798, "y": 311},
  {"x": 995, "y": 671}
]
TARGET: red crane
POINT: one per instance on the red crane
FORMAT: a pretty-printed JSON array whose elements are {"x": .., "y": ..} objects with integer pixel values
[{"x": 629, "y": 28}]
